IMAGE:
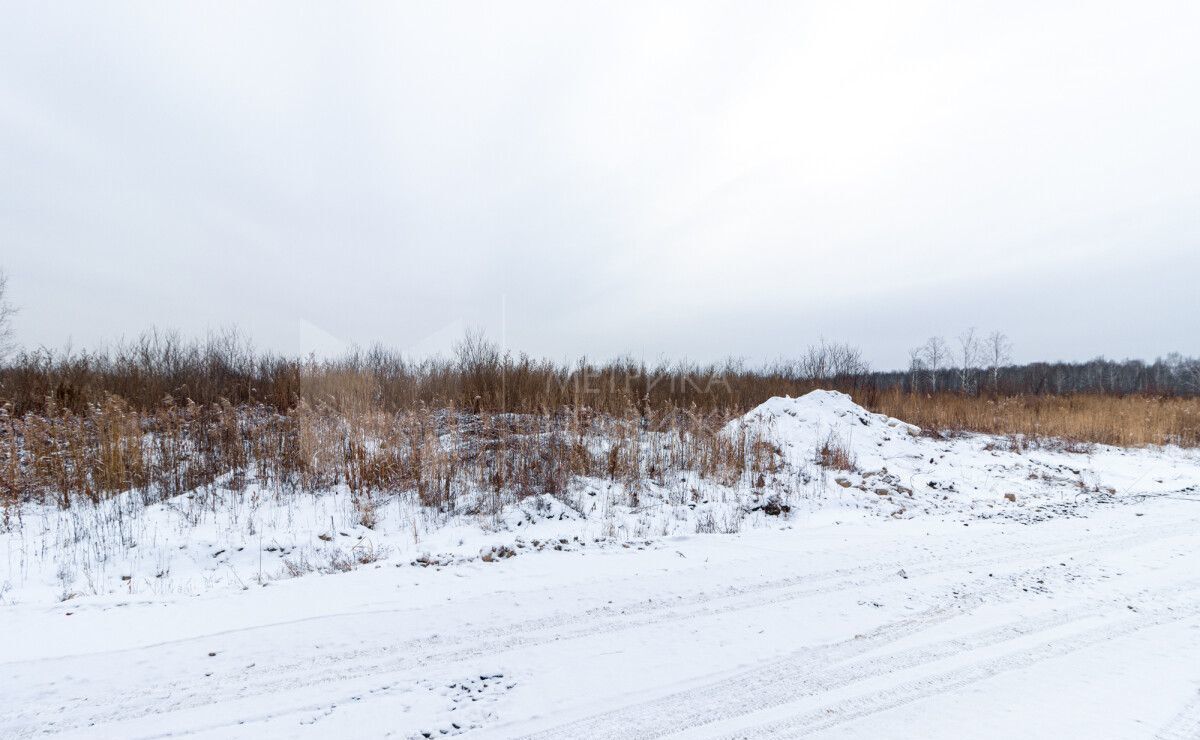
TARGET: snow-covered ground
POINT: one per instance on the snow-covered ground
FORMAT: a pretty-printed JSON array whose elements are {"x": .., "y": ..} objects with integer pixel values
[{"x": 908, "y": 597}]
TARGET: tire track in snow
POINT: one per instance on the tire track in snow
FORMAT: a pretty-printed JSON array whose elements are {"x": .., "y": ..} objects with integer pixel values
[
  {"x": 798, "y": 675},
  {"x": 609, "y": 619},
  {"x": 1185, "y": 725},
  {"x": 657, "y": 612},
  {"x": 764, "y": 690},
  {"x": 882, "y": 635},
  {"x": 785, "y": 680},
  {"x": 916, "y": 567},
  {"x": 124, "y": 703},
  {"x": 905, "y": 693}
]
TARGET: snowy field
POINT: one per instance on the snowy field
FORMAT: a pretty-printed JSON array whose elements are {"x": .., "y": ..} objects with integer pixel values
[{"x": 965, "y": 587}]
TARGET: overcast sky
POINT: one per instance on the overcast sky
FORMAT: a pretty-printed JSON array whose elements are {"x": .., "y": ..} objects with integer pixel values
[{"x": 665, "y": 180}]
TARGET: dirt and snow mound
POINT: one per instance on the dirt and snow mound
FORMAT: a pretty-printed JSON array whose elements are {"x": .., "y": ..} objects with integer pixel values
[
  {"x": 826, "y": 408},
  {"x": 848, "y": 457},
  {"x": 800, "y": 426}
]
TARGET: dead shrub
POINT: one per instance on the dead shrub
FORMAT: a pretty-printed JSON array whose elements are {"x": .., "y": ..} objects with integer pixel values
[{"x": 834, "y": 454}]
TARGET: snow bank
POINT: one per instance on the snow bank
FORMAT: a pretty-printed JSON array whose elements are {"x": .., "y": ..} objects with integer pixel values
[{"x": 218, "y": 538}]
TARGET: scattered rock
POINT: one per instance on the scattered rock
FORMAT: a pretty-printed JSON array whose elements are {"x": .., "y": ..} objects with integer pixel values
[
  {"x": 497, "y": 552},
  {"x": 774, "y": 508}
]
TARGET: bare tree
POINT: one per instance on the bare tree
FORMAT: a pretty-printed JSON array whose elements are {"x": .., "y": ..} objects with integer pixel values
[
  {"x": 829, "y": 360},
  {"x": 998, "y": 352},
  {"x": 935, "y": 353},
  {"x": 1183, "y": 372},
  {"x": 1189, "y": 378},
  {"x": 968, "y": 360},
  {"x": 916, "y": 366},
  {"x": 7, "y": 311}
]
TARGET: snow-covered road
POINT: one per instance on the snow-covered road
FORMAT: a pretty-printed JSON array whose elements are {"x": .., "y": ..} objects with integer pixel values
[{"x": 1072, "y": 627}]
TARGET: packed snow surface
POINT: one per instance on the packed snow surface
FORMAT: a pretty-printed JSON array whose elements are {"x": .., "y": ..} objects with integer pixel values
[{"x": 972, "y": 586}]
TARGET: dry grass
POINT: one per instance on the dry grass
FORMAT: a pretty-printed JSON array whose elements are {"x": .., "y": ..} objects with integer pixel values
[
  {"x": 835, "y": 454},
  {"x": 476, "y": 462},
  {"x": 479, "y": 377},
  {"x": 451, "y": 461},
  {"x": 466, "y": 435},
  {"x": 463, "y": 461},
  {"x": 1131, "y": 421}
]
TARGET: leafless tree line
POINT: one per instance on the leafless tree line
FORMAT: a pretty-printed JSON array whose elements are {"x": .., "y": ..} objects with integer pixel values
[
  {"x": 973, "y": 361},
  {"x": 162, "y": 367},
  {"x": 975, "y": 364}
]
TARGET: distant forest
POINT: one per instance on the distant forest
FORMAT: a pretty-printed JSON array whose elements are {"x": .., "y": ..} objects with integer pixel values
[{"x": 1173, "y": 375}]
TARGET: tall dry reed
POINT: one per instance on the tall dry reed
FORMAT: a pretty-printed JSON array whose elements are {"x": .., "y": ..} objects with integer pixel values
[{"x": 1132, "y": 421}]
